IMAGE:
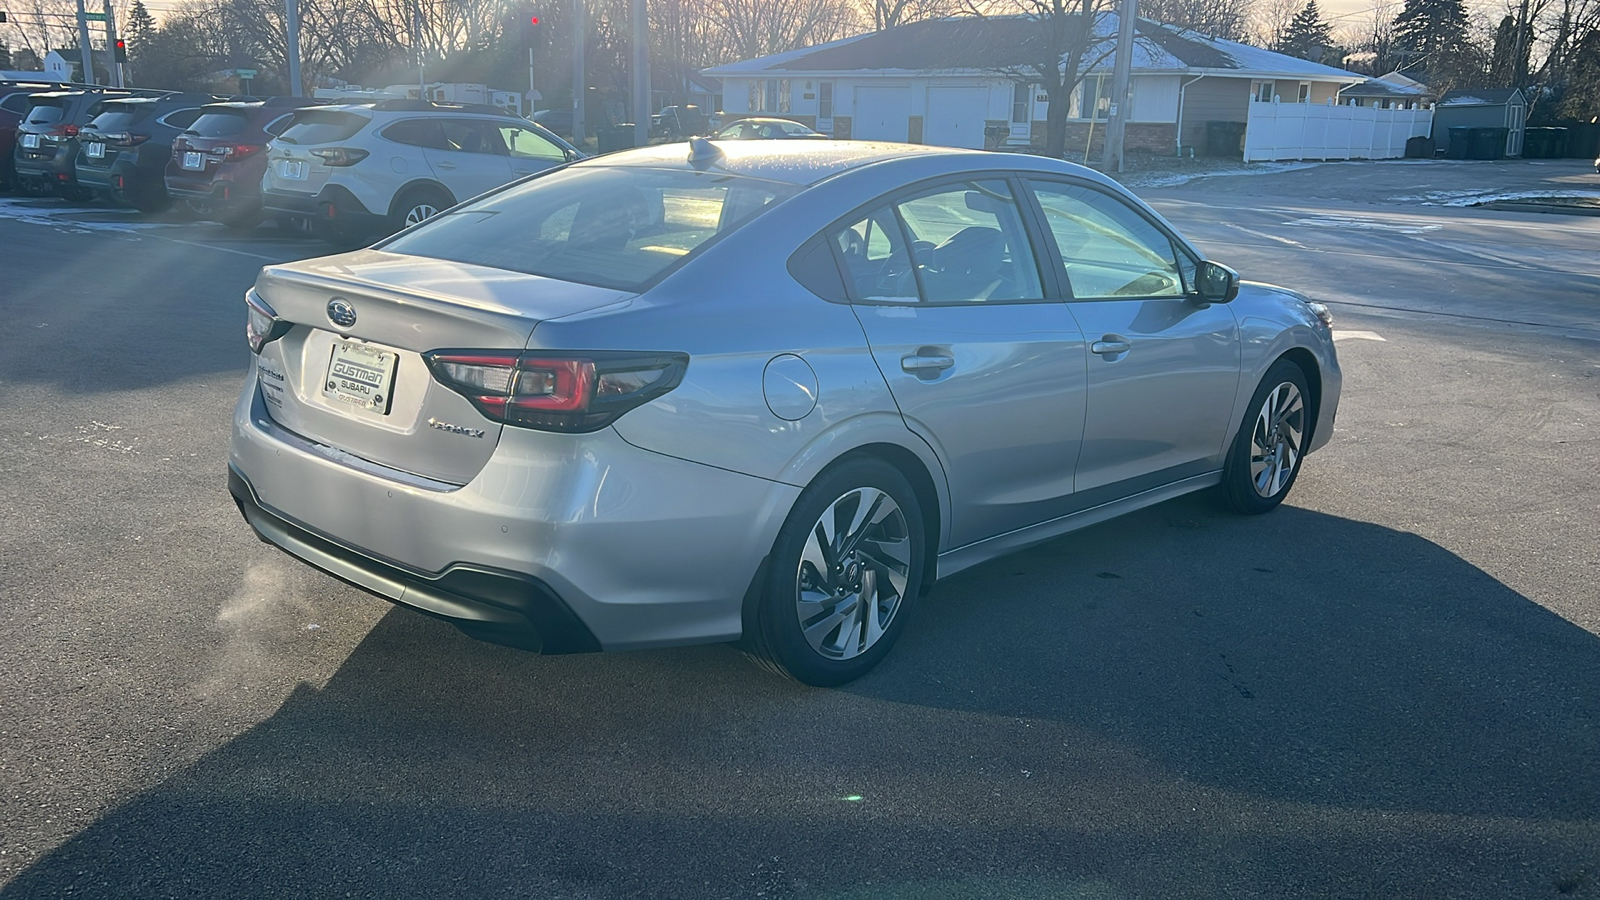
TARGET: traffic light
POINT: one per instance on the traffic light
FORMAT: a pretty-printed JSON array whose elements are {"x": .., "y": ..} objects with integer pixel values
[
  {"x": 120, "y": 54},
  {"x": 530, "y": 30}
]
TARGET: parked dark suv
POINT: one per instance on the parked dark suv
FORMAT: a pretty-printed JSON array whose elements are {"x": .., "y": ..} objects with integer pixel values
[
  {"x": 13, "y": 106},
  {"x": 123, "y": 151},
  {"x": 217, "y": 164},
  {"x": 47, "y": 139}
]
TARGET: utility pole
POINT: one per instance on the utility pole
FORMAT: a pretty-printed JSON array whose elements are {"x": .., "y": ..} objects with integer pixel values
[
  {"x": 1127, "y": 15},
  {"x": 83, "y": 45},
  {"x": 641, "y": 75},
  {"x": 115, "y": 67},
  {"x": 291, "y": 10},
  {"x": 579, "y": 26}
]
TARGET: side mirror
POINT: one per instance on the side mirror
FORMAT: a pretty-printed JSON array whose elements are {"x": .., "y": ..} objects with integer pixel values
[{"x": 1215, "y": 282}]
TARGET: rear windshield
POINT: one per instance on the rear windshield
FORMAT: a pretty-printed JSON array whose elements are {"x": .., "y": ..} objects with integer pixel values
[
  {"x": 619, "y": 227},
  {"x": 44, "y": 112},
  {"x": 216, "y": 124},
  {"x": 319, "y": 126},
  {"x": 116, "y": 117}
]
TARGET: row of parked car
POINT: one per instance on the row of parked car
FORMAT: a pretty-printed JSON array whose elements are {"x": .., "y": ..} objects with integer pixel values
[{"x": 346, "y": 172}]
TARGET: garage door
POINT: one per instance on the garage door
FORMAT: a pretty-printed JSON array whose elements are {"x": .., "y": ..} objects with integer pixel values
[
  {"x": 882, "y": 114},
  {"x": 955, "y": 116}
]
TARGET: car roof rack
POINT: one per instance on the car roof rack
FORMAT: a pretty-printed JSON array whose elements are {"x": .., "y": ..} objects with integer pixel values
[{"x": 441, "y": 106}]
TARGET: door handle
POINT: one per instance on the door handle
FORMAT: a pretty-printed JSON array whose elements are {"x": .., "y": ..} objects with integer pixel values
[
  {"x": 919, "y": 364},
  {"x": 446, "y": 165},
  {"x": 1110, "y": 347},
  {"x": 525, "y": 171}
]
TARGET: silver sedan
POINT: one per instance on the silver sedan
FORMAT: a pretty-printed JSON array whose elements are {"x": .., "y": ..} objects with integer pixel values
[{"x": 757, "y": 392}]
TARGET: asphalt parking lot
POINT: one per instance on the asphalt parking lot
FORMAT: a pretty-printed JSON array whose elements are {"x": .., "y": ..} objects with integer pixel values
[{"x": 1390, "y": 687}]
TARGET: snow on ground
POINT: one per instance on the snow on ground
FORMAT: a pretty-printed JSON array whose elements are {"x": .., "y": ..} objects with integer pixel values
[
  {"x": 68, "y": 218},
  {"x": 1475, "y": 197},
  {"x": 1174, "y": 179}
]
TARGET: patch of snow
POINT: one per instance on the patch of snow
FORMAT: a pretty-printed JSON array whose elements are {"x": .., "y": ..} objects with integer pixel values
[
  {"x": 1174, "y": 179},
  {"x": 1473, "y": 198},
  {"x": 32, "y": 213},
  {"x": 1358, "y": 224}
]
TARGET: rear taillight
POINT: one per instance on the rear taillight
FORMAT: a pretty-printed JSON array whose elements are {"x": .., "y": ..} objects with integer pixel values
[
  {"x": 261, "y": 324},
  {"x": 570, "y": 392},
  {"x": 340, "y": 156},
  {"x": 124, "y": 139}
]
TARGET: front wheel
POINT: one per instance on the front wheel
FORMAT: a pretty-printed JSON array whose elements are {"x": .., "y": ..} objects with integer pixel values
[
  {"x": 418, "y": 205},
  {"x": 843, "y": 573},
  {"x": 1266, "y": 454}
]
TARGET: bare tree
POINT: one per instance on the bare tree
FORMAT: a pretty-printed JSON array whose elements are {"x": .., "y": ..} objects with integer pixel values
[
  {"x": 882, "y": 15},
  {"x": 1270, "y": 22},
  {"x": 755, "y": 28},
  {"x": 1226, "y": 19}
]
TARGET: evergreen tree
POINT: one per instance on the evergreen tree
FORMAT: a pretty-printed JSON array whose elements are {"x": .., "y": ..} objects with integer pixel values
[
  {"x": 141, "y": 26},
  {"x": 1307, "y": 36},
  {"x": 1431, "y": 27},
  {"x": 1508, "y": 68}
]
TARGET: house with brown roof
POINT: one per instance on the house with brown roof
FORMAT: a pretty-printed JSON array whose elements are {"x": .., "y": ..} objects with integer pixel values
[{"x": 954, "y": 82}]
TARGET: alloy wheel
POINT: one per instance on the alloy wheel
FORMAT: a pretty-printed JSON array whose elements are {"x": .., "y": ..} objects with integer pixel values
[
  {"x": 1276, "y": 439},
  {"x": 853, "y": 572},
  {"x": 420, "y": 212}
]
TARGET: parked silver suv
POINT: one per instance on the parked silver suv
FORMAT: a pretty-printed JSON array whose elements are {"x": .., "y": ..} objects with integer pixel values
[{"x": 367, "y": 169}]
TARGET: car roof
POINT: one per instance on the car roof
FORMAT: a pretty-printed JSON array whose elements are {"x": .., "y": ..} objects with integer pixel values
[{"x": 810, "y": 162}]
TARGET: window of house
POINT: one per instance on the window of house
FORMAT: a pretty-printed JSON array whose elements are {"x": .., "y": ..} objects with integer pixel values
[
  {"x": 1262, "y": 90},
  {"x": 1305, "y": 92},
  {"x": 1091, "y": 99},
  {"x": 825, "y": 100},
  {"x": 769, "y": 98}
]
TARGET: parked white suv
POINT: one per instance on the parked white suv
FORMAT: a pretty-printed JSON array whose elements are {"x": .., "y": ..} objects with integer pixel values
[{"x": 366, "y": 169}]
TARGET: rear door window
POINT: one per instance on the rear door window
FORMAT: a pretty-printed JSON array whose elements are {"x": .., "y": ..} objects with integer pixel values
[
  {"x": 180, "y": 118},
  {"x": 319, "y": 126}
]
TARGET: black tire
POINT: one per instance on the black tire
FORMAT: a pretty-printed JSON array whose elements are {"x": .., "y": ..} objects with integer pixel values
[
  {"x": 778, "y": 640},
  {"x": 1258, "y": 440},
  {"x": 415, "y": 199},
  {"x": 336, "y": 233}
]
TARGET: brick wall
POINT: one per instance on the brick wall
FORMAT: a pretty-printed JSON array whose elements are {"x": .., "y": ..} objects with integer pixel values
[{"x": 1159, "y": 138}]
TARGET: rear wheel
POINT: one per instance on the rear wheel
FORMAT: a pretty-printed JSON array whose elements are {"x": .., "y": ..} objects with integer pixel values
[
  {"x": 1265, "y": 458},
  {"x": 843, "y": 573},
  {"x": 418, "y": 205}
]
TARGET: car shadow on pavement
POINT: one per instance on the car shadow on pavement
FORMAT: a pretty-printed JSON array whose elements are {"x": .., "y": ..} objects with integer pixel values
[{"x": 1181, "y": 703}]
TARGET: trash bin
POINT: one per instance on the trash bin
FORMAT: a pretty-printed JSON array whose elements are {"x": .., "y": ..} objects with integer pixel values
[
  {"x": 1458, "y": 138},
  {"x": 612, "y": 138},
  {"x": 1487, "y": 143},
  {"x": 1225, "y": 139},
  {"x": 1419, "y": 147}
]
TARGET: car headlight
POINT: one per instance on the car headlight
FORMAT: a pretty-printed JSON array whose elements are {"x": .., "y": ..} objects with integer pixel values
[{"x": 1321, "y": 312}]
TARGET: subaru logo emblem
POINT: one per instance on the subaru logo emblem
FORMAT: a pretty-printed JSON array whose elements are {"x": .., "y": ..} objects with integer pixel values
[{"x": 341, "y": 313}]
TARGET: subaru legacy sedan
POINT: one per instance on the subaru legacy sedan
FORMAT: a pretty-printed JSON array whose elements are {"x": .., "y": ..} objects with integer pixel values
[{"x": 765, "y": 392}]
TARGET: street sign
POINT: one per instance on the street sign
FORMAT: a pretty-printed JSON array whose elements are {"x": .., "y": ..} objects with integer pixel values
[
  {"x": 245, "y": 73},
  {"x": 94, "y": 17}
]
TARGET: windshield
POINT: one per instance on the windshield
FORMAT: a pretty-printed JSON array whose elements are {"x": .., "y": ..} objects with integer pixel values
[
  {"x": 619, "y": 228},
  {"x": 322, "y": 127},
  {"x": 216, "y": 124},
  {"x": 43, "y": 113}
]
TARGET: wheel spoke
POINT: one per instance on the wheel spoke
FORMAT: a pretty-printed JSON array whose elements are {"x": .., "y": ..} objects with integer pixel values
[
  {"x": 814, "y": 556},
  {"x": 870, "y": 602}
]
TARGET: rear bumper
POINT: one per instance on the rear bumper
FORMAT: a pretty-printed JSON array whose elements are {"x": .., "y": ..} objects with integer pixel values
[
  {"x": 334, "y": 204},
  {"x": 218, "y": 195},
  {"x": 498, "y": 606},
  {"x": 643, "y": 550},
  {"x": 51, "y": 168}
]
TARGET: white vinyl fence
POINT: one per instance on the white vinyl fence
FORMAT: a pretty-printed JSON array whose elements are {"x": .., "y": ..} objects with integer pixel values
[{"x": 1315, "y": 131}]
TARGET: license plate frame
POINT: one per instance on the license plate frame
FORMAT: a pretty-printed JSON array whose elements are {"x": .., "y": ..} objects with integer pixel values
[
  {"x": 94, "y": 150},
  {"x": 361, "y": 375},
  {"x": 30, "y": 142},
  {"x": 293, "y": 169},
  {"x": 193, "y": 160}
]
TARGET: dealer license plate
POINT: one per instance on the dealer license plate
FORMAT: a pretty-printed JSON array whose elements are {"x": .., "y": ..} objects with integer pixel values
[
  {"x": 292, "y": 168},
  {"x": 361, "y": 375},
  {"x": 94, "y": 151},
  {"x": 30, "y": 141},
  {"x": 193, "y": 160}
]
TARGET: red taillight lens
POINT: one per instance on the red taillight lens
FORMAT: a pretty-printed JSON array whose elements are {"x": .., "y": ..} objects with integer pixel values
[
  {"x": 70, "y": 131},
  {"x": 576, "y": 392},
  {"x": 340, "y": 156},
  {"x": 261, "y": 324},
  {"x": 124, "y": 139}
]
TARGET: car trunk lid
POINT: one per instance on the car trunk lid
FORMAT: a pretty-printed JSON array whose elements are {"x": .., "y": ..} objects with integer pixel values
[{"x": 361, "y": 385}]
